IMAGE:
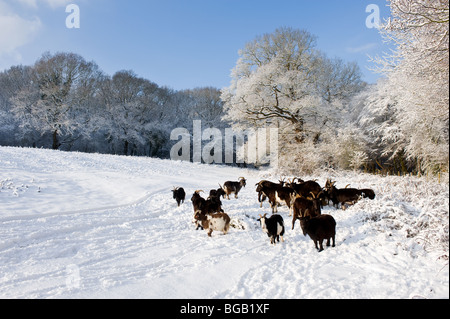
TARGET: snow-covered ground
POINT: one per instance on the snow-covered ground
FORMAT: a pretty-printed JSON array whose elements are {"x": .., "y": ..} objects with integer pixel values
[{"x": 96, "y": 226}]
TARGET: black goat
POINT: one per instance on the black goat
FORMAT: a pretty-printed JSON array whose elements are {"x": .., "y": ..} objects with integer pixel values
[
  {"x": 217, "y": 193},
  {"x": 179, "y": 195},
  {"x": 320, "y": 228},
  {"x": 212, "y": 205},
  {"x": 273, "y": 227},
  {"x": 304, "y": 189},
  {"x": 368, "y": 193},
  {"x": 276, "y": 193},
  {"x": 344, "y": 196},
  {"x": 197, "y": 201}
]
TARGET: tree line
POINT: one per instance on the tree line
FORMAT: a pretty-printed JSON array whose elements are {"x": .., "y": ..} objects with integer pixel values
[{"x": 64, "y": 102}]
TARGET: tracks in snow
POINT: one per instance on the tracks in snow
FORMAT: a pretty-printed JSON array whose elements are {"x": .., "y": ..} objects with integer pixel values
[{"x": 149, "y": 249}]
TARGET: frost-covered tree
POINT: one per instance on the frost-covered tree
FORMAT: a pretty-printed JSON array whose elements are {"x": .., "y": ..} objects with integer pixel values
[
  {"x": 374, "y": 114},
  {"x": 13, "y": 81},
  {"x": 129, "y": 103},
  {"x": 206, "y": 105},
  {"x": 273, "y": 80},
  {"x": 65, "y": 102},
  {"x": 420, "y": 30},
  {"x": 418, "y": 77},
  {"x": 53, "y": 103},
  {"x": 282, "y": 80}
]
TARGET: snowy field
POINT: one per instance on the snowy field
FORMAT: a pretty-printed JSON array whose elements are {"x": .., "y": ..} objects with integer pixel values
[{"x": 97, "y": 226}]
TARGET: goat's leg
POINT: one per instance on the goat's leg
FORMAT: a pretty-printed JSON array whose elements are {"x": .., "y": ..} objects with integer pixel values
[
  {"x": 315, "y": 243},
  {"x": 321, "y": 245}
]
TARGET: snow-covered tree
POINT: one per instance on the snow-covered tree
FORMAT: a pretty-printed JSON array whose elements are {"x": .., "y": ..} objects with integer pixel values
[
  {"x": 273, "y": 80},
  {"x": 53, "y": 102},
  {"x": 13, "y": 81},
  {"x": 205, "y": 105},
  {"x": 131, "y": 106},
  {"x": 418, "y": 80},
  {"x": 282, "y": 80}
]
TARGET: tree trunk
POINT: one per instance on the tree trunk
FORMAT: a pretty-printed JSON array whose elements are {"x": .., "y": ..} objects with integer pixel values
[
  {"x": 125, "y": 148},
  {"x": 56, "y": 143}
]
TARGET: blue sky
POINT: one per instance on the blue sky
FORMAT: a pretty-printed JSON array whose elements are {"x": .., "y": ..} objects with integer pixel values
[{"x": 181, "y": 44}]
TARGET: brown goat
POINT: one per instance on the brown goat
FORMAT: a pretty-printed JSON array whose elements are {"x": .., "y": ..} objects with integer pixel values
[
  {"x": 234, "y": 187},
  {"x": 305, "y": 207},
  {"x": 305, "y": 188},
  {"x": 264, "y": 185},
  {"x": 214, "y": 222}
]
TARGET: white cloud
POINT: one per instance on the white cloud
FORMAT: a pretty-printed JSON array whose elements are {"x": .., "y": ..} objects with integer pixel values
[
  {"x": 51, "y": 3},
  {"x": 15, "y": 32},
  {"x": 29, "y": 3},
  {"x": 363, "y": 49},
  {"x": 55, "y": 3},
  {"x": 19, "y": 24}
]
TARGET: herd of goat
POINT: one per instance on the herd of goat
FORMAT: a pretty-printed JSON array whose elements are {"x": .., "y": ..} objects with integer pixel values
[{"x": 305, "y": 200}]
